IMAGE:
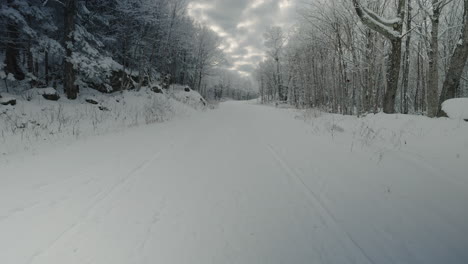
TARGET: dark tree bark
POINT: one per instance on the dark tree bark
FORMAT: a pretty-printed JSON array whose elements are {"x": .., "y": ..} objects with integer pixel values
[
  {"x": 30, "y": 58},
  {"x": 406, "y": 65},
  {"x": 71, "y": 89},
  {"x": 46, "y": 67},
  {"x": 369, "y": 82},
  {"x": 457, "y": 64},
  {"x": 12, "y": 48},
  {"x": 281, "y": 96},
  {"x": 393, "y": 76},
  {"x": 433, "y": 54},
  {"x": 416, "y": 93}
]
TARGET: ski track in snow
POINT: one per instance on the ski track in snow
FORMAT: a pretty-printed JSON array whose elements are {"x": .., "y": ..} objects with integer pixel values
[
  {"x": 101, "y": 198},
  {"x": 240, "y": 184},
  {"x": 317, "y": 203}
]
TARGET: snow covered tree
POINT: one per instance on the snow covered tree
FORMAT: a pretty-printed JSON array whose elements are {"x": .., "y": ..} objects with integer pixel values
[
  {"x": 207, "y": 53},
  {"x": 457, "y": 63},
  {"x": 392, "y": 30},
  {"x": 275, "y": 41}
]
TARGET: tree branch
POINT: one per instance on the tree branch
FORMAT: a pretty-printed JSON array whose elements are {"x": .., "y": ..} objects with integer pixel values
[{"x": 374, "y": 22}]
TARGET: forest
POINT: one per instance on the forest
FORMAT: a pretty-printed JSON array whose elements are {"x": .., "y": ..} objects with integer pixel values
[
  {"x": 355, "y": 56},
  {"x": 109, "y": 46}
]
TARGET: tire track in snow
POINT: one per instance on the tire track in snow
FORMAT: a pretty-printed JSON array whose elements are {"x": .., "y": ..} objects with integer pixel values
[
  {"x": 61, "y": 180},
  {"x": 18, "y": 210},
  {"x": 40, "y": 188},
  {"x": 316, "y": 201},
  {"x": 103, "y": 195},
  {"x": 149, "y": 231}
]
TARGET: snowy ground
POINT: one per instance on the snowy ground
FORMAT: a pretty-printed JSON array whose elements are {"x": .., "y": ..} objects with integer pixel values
[
  {"x": 34, "y": 123},
  {"x": 244, "y": 184}
]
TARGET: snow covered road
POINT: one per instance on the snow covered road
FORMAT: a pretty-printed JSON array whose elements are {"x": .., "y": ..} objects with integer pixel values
[{"x": 240, "y": 184}]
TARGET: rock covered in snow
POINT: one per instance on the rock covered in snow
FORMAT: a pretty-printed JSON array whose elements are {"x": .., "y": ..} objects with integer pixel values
[
  {"x": 50, "y": 94},
  {"x": 7, "y": 100},
  {"x": 188, "y": 96},
  {"x": 456, "y": 108},
  {"x": 157, "y": 89}
]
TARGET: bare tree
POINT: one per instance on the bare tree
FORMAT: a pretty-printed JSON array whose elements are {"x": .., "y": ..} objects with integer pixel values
[
  {"x": 433, "y": 54},
  {"x": 12, "y": 48},
  {"x": 457, "y": 63},
  {"x": 274, "y": 41},
  {"x": 208, "y": 53},
  {"x": 406, "y": 61},
  {"x": 392, "y": 30},
  {"x": 69, "y": 73}
]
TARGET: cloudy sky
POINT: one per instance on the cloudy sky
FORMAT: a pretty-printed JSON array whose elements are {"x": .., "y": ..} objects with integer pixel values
[{"x": 241, "y": 24}]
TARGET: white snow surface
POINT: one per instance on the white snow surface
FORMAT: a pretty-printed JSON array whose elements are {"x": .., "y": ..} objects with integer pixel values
[
  {"x": 456, "y": 108},
  {"x": 244, "y": 184},
  {"x": 5, "y": 99},
  {"x": 35, "y": 122},
  {"x": 48, "y": 90}
]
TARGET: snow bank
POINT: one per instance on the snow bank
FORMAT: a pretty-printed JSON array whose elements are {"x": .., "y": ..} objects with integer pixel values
[
  {"x": 383, "y": 134},
  {"x": 188, "y": 96},
  {"x": 36, "y": 121},
  {"x": 7, "y": 100},
  {"x": 456, "y": 108}
]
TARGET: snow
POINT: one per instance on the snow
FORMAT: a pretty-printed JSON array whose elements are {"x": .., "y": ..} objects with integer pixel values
[
  {"x": 36, "y": 122},
  {"x": 192, "y": 98},
  {"x": 243, "y": 184},
  {"x": 10, "y": 77},
  {"x": 456, "y": 108},
  {"x": 6, "y": 98},
  {"x": 385, "y": 21},
  {"x": 385, "y": 25},
  {"x": 49, "y": 91}
]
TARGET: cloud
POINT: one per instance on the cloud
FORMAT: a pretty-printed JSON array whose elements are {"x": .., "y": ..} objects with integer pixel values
[{"x": 241, "y": 24}]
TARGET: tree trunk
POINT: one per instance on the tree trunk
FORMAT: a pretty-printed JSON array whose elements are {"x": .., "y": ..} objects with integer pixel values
[
  {"x": 12, "y": 48},
  {"x": 367, "y": 87},
  {"x": 393, "y": 32},
  {"x": 280, "y": 86},
  {"x": 457, "y": 64},
  {"x": 200, "y": 77},
  {"x": 69, "y": 73},
  {"x": 416, "y": 93},
  {"x": 433, "y": 54},
  {"x": 393, "y": 76},
  {"x": 46, "y": 67},
  {"x": 418, "y": 80},
  {"x": 423, "y": 86},
  {"x": 405, "y": 78}
]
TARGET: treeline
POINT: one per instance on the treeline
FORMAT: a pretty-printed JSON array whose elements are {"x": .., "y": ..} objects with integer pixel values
[
  {"x": 107, "y": 45},
  {"x": 354, "y": 57},
  {"x": 226, "y": 84}
]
